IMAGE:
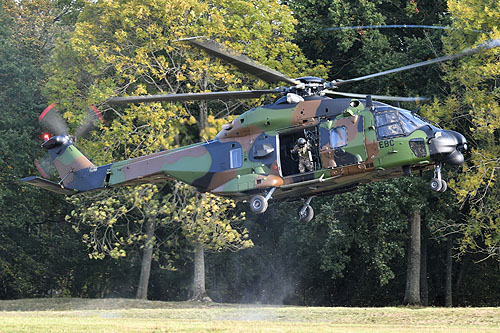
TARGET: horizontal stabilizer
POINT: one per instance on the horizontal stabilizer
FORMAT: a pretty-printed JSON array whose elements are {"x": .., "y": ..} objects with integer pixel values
[{"x": 48, "y": 185}]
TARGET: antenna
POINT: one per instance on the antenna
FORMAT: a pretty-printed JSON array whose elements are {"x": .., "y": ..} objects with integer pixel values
[{"x": 369, "y": 101}]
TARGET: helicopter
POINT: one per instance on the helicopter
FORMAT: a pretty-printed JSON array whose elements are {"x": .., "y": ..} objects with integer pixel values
[{"x": 350, "y": 141}]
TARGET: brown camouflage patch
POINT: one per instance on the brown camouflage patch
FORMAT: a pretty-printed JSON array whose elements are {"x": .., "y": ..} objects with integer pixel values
[
  {"x": 268, "y": 181},
  {"x": 305, "y": 111},
  {"x": 351, "y": 123},
  {"x": 372, "y": 149},
  {"x": 274, "y": 170},
  {"x": 79, "y": 163},
  {"x": 327, "y": 158},
  {"x": 246, "y": 142},
  {"x": 141, "y": 167},
  {"x": 353, "y": 169},
  {"x": 196, "y": 151},
  {"x": 220, "y": 178},
  {"x": 235, "y": 129}
]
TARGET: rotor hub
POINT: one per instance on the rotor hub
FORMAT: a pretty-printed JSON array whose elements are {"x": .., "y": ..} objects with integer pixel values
[{"x": 308, "y": 86}]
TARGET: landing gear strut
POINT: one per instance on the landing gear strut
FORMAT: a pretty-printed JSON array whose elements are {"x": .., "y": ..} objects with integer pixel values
[
  {"x": 259, "y": 203},
  {"x": 306, "y": 213},
  {"x": 437, "y": 183}
]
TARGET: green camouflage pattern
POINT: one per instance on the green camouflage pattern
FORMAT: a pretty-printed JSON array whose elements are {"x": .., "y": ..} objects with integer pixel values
[{"x": 252, "y": 154}]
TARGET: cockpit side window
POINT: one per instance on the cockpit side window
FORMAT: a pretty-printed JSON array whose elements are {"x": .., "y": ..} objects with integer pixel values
[
  {"x": 388, "y": 124},
  {"x": 338, "y": 137}
]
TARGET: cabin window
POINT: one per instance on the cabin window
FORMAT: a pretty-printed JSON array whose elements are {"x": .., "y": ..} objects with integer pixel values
[
  {"x": 338, "y": 137},
  {"x": 235, "y": 158},
  {"x": 388, "y": 124}
]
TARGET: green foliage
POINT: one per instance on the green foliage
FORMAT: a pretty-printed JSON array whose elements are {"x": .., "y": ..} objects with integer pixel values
[
  {"x": 359, "y": 52},
  {"x": 352, "y": 253},
  {"x": 38, "y": 251},
  {"x": 116, "y": 221},
  {"x": 130, "y": 47},
  {"x": 207, "y": 219},
  {"x": 473, "y": 108}
]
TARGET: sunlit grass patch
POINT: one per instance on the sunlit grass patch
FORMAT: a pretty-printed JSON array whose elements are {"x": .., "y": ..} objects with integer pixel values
[{"x": 125, "y": 315}]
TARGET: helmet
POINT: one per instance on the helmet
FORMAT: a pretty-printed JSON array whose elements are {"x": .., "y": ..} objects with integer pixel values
[{"x": 301, "y": 141}]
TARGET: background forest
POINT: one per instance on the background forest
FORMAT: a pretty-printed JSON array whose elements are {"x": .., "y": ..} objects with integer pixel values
[{"x": 144, "y": 242}]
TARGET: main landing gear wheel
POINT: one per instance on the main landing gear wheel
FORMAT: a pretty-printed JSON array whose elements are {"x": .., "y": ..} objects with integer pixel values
[
  {"x": 258, "y": 204},
  {"x": 305, "y": 213}
]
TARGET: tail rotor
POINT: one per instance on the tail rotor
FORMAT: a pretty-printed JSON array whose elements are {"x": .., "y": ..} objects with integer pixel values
[{"x": 52, "y": 120}]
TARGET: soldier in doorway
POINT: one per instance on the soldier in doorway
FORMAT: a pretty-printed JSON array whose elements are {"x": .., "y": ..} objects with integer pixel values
[{"x": 302, "y": 148}]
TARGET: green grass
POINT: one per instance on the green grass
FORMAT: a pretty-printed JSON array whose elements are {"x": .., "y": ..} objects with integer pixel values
[{"x": 126, "y": 315}]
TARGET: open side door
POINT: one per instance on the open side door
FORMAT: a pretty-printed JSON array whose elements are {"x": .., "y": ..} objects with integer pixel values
[{"x": 288, "y": 161}]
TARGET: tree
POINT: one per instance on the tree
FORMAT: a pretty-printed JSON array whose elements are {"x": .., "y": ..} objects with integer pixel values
[
  {"x": 130, "y": 47},
  {"x": 124, "y": 221},
  {"x": 358, "y": 52},
  {"x": 32, "y": 228},
  {"x": 368, "y": 223},
  {"x": 472, "y": 107},
  {"x": 207, "y": 223},
  {"x": 412, "y": 294}
]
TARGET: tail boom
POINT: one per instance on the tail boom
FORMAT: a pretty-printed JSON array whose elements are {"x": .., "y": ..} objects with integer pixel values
[{"x": 199, "y": 165}]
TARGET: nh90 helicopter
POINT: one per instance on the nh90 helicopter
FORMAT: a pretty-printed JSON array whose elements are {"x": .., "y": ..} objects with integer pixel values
[{"x": 350, "y": 141}]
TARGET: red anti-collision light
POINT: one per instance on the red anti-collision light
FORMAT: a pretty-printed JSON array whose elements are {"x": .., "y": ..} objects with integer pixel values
[{"x": 46, "y": 136}]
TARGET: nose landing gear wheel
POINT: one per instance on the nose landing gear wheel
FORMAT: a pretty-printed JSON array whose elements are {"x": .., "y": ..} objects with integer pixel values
[
  {"x": 444, "y": 186},
  {"x": 258, "y": 204},
  {"x": 305, "y": 213},
  {"x": 435, "y": 184}
]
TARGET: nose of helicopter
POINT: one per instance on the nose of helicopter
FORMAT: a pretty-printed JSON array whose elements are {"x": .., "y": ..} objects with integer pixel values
[{"x": 447, "y": 147}]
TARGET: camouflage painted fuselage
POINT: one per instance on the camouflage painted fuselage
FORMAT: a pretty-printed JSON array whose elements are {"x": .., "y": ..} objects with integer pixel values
[{"x": 253, "y": 153}]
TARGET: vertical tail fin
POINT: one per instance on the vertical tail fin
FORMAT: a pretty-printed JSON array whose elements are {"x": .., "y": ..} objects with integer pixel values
[{"x": 66, "y": 157}]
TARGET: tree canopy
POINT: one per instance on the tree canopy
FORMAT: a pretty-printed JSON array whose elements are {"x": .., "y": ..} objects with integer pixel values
[{"x": 80, "y": 53}]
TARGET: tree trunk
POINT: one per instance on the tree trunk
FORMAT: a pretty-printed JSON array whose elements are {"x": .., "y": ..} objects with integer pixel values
[
  {"x": 461, "y": 270},
  {"x": 147, "y": 256},
  {"x": 448, "y": 301},
  {"x": 412, "y": 295},
  {"x": 424, "y": 290},
  {"x": 199, "y": 291}
]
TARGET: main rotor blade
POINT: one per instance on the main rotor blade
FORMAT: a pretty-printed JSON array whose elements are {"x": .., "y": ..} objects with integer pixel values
[
  {"x": 92, "y": 115},
  {"x": 244, "y": 94},
  {"x": 378, "y": 97},
  {"x": 239, "y": 60},
  {"x": 391, "y": 26},
  {"x": 481, "y": 48}
]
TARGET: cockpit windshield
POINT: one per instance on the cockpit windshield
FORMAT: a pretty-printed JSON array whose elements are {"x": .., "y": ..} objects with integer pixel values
[
  {"x": 393, "y": 122},
  {"x": 410, "y": 121}
]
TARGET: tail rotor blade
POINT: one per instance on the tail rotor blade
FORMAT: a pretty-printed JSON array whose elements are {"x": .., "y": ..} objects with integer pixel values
[
  {"x": 51, "y": 119},
  {"x": 92, "y": 117},
  {"x": 45, "y": 167}
]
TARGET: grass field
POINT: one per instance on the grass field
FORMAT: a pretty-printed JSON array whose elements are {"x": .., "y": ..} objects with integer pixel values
[{"x": 125, "y": 315}]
